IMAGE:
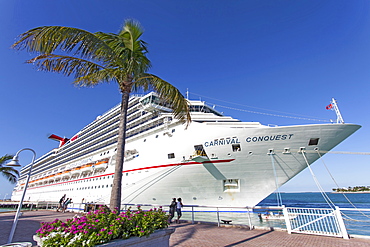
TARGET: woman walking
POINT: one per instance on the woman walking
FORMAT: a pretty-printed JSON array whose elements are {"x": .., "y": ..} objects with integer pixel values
[
  {"x": 178, "y": 209},
  {"x": 172, "y": 210}
]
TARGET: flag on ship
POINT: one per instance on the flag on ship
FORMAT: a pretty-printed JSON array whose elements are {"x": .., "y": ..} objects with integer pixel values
[{"x": 328, "y": 107}]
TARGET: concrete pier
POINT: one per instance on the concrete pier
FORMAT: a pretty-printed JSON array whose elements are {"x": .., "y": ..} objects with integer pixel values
[{"x": 186, "y": 234}]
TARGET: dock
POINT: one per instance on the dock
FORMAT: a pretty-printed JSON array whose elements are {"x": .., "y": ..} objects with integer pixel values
[{"x": 186, "y": 234}]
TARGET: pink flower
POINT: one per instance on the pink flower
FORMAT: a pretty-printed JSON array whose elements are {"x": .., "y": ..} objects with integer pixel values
[{"x": 110, "y": 233}]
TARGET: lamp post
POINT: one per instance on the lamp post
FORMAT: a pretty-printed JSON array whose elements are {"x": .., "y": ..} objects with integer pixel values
[
  {"x": 4, "y": 197},
  {"x": 14, "y": 162}
]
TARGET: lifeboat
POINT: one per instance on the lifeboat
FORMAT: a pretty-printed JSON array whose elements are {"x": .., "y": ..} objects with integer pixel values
[
  {"x": 101, "y": 165},
  {"x": 58, "y": 176},
  {"x": 87, "y": 168},
  {"x": 66, "y": 175}
]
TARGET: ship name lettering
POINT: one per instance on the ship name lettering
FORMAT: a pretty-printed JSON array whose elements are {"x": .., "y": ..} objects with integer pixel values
[
  {"x": 269, "y": 138},
  {"x": 222, "y": 142}
]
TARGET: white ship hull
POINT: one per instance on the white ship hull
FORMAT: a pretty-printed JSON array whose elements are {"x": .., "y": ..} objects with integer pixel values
[{"x": 239, "y": 165}]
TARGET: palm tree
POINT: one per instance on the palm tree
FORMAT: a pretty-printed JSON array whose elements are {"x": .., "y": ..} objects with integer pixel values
[
  {"x": 10, "y": 173},
  {"x": 102, "y": 58}
]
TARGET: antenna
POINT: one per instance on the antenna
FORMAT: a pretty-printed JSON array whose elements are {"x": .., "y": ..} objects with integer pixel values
[{"x": 336, "y": 109}]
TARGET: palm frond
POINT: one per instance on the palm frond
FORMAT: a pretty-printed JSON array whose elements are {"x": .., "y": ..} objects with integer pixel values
[
  {"x": 5, "y": 158},
  {"x": 48, "y": 39},
  {"x": 131, "y": 52},
  {"x": 101, "y": 76},
  {"x": 9, "y": 173},
  {"x": 168, "y": 93},
  {"x": 67, "y": 65},
  {"x": 132, "y": 31}
]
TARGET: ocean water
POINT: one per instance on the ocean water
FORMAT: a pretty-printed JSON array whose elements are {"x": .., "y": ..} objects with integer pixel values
[
  {"x": 6, "y": 209},
  {"x": 357, "y": 222}
]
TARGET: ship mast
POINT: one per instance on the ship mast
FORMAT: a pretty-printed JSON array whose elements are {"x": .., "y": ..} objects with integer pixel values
[{"x": 337, "y": 112}]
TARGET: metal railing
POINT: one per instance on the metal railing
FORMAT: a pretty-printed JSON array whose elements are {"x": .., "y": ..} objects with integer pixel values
[
  {"x": 356, "y": 221},
  {"x": 318, "y": 221}
]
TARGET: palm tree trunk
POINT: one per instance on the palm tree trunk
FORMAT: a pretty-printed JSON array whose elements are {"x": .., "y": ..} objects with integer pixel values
[{"x": 115, "y": 198}]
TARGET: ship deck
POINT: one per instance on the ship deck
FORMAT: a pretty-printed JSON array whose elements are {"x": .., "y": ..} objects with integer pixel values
[{"x": 186, "y": 234}]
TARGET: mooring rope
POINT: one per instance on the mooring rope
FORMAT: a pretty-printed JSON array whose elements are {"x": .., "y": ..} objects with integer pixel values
[
  {"x": 278, "y": 196},
  {"x": 326, "y": 197},
  {"x": 350, "y": 202}
]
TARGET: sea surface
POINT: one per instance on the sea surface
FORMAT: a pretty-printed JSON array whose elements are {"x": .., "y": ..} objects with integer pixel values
[{"x": 357, "y": 222}]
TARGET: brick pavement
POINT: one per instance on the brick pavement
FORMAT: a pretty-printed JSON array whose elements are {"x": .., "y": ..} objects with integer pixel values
[
  {"x": 203, "y": 235},
  {"x": 27, "y": 224},
  {"x": 186, "y": 234}
]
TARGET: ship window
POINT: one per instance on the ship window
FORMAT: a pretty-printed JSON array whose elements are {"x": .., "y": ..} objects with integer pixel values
[
  {"x": 313, "y": 141},
  {"x": 171, "y": 156},
  {"x": 173, "y": 131},
  {"x": 236, "y": 148},
  {"x": 156, "y": 136}
]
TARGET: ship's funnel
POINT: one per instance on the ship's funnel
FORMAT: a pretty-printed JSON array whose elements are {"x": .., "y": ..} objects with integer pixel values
[{"x": 62, "y": 140}]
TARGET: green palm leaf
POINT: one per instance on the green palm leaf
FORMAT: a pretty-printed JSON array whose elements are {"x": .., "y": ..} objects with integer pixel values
[{"x": 9, "y": 173}]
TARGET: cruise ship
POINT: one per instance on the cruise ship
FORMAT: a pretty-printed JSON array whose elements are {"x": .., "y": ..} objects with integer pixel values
[{"x": 216, "y": 161}]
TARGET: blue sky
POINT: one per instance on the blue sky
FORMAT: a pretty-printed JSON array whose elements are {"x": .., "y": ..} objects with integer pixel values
[{"x": 272, "y": 56}]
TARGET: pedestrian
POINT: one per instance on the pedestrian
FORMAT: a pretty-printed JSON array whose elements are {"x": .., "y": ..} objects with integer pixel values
[
  {"x": 61, "y": 202},
  {"x": 178, "y": 209},
  {"x": 65, "y": 205},
  {"x": 172, "y": 210}
]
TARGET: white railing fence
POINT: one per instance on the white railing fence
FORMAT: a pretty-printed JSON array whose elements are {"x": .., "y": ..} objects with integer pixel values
[{"x": 318, "y": 221}]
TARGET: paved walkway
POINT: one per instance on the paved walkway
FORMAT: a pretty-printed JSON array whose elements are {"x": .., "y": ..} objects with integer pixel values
[{"x": 186, "y": 234}]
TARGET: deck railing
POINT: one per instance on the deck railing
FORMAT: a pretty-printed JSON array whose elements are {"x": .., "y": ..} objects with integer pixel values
[{"x": 356, "y": 221}]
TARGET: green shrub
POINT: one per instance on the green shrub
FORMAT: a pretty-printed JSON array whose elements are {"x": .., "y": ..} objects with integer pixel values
[{"x": 101, "y": 226}]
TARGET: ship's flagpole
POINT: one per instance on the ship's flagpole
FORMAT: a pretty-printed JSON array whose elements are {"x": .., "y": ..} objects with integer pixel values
[{"x": 337, "y": 112}]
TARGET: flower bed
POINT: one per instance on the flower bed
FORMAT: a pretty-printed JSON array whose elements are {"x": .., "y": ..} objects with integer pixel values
[{"x": 102, "y": 226}]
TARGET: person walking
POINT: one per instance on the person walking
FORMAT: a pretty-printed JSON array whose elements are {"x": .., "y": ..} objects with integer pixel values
[
  {"x": 179, "y": 205},
  {"x": 172, "y": 210},
  {"x": 65, "y": 205},
  {"x": 61, "y": 202}
]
